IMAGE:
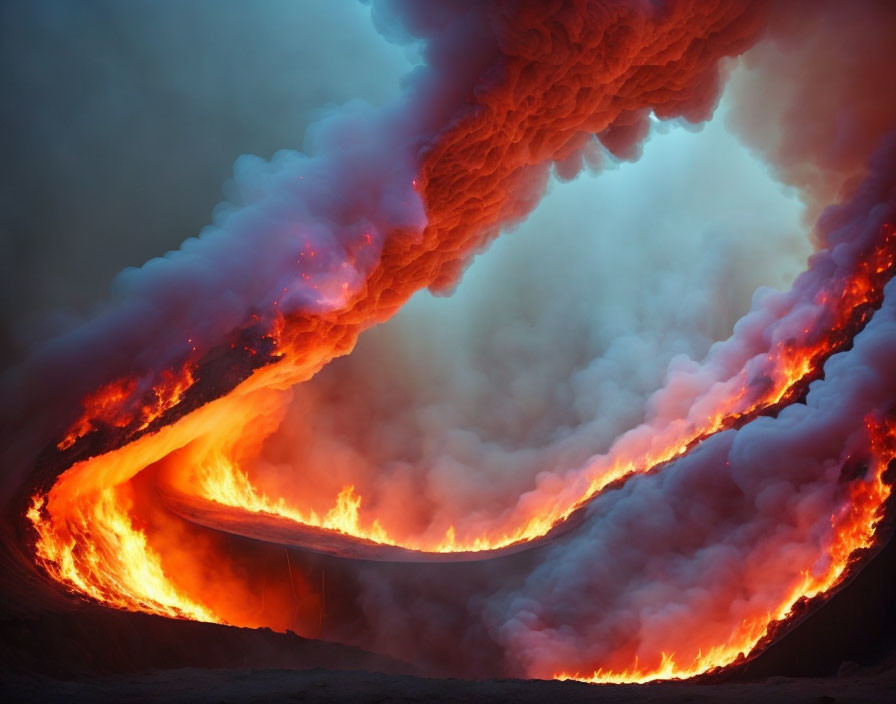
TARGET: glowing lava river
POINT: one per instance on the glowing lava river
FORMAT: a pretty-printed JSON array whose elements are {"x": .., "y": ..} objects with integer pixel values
[{"x": 755, "y": 480}]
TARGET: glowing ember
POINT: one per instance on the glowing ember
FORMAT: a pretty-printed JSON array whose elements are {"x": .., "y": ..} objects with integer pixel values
[{"x": 119, "y": 405}]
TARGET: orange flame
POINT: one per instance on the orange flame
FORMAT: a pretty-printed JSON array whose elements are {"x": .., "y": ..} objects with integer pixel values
[
  {"x": 482, "y": 171},
  {"x": 853, "y": 529},
  {"x": 789, "y": 366},
  {"x": 221, "y": 481},
  {"x": 114, "y": 404},
  {"x": 99, "y": 553},
  {"x": 103, "y": 406}
]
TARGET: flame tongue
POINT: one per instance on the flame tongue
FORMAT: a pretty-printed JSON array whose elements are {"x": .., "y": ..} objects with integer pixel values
[
  {"x": 98, "y": 552},
  {"x": 221, "y": 481}
]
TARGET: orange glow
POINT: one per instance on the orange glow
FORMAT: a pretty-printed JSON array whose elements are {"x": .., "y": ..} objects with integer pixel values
[
  {"x": 220, "y": 480},
  {"x": 853, "y": 529},
  {"x": 114, "y": 404},
  {"x": 103, "y": 406},
  {"x": 166, "y": 394},
  {"x": 99, "y": 553},
  {"x": 88, "y": 541},
  {"x": 789, "y": 367},
  {"x": 549, "y": 90}
]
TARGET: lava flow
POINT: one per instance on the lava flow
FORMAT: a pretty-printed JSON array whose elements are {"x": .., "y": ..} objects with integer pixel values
[
  {"x": 853, "y": 529},
  {"x": 768, "y": 456}
]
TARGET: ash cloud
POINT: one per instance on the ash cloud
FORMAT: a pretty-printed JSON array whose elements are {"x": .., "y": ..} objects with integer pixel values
[{"x": 695, "y": 543}]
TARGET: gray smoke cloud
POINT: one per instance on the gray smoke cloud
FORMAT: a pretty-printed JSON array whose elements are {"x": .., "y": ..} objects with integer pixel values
[{"x": 123, "y": 120}]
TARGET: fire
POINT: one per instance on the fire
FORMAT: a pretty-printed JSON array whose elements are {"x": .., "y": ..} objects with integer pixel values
[
  {"x": 843, "y": 309},
  {"x": 464, "y": 176},
  {"x": 103, "y": 406},
  {"x": 88, "y": 540},
  {"x": 222, "y": 481},
  {"x": 852, "y": 529},
  {"x": 117, "y": 404},
  {"x": 114, "y": 564},
  {"x": 92, "y": 546},
  {"x": 166, "y": 394},
  {"x": 69, "y": 544}
]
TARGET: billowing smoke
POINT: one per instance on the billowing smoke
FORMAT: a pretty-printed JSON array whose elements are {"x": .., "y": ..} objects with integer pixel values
[
  {"x": 554, "y": 341},
  {"x": 671, "y": 558},
  {"x": 127, "y": 121},
  {"x": 608, "y": 335},
  {"x": 810, "y": 99}
]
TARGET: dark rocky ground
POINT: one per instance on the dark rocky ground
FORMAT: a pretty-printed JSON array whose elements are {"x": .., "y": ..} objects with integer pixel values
[
  {"x": 246, "y": 685},
  {"x": 93, "y": 654}
]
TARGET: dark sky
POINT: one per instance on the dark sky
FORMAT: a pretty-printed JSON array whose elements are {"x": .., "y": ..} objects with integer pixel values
[{"x": 122, "y": 120}]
